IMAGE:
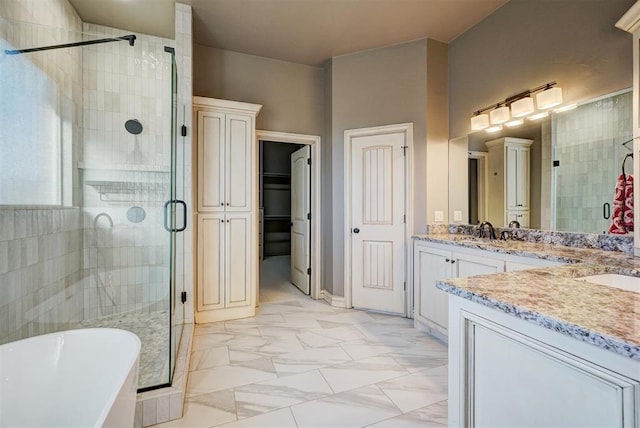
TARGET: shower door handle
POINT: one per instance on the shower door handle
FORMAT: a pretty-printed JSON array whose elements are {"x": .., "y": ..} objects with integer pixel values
[{"x": 184, "y": 215}]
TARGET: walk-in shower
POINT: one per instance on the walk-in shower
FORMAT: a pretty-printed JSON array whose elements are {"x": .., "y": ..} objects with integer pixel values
[{"x": 87, "y": 187}]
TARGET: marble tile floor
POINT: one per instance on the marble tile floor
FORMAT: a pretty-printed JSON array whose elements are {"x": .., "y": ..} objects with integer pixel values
[{"x": 302, "y": 363}]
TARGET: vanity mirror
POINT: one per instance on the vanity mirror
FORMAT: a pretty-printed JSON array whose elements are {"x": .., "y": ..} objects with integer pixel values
[{"x": 574, "y": 161}]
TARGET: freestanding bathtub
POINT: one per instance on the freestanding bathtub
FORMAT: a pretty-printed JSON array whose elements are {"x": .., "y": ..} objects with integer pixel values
[{"x": 74, "y": 378}]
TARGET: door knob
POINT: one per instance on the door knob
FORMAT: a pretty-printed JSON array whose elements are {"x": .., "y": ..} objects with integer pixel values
[{"x": 356, "y": 230}]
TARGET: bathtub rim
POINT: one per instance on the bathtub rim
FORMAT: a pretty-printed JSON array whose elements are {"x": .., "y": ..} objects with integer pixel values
[{"x": 131, "y": 361}]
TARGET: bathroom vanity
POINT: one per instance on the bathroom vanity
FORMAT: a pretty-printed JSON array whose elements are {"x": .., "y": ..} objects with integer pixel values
[{"x": 533, "y": 345}]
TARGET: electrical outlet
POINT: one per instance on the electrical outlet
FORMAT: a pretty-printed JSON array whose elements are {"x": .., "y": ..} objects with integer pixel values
[
  {"x": 457, "y": 215},
  {"x": 438, "y": 216}
]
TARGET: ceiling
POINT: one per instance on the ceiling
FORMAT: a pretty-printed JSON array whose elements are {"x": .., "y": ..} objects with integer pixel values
[{"x": 300, "y": 31}]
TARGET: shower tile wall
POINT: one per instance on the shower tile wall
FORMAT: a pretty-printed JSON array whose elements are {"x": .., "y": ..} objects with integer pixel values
[
  {"x": 41, "y": 248},
  {"x": 40, "y": 281},
  {"x": 588, "y": 146},
  {"x": 126, "y": 263}
]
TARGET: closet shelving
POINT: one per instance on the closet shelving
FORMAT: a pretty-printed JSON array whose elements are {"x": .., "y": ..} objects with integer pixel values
[{"x": 275, "y": 198}]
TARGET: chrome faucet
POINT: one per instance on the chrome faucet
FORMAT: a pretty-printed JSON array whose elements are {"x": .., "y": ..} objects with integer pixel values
[
  {"x": 514, "y": 224},
  {"x": 483, "y": 228}
]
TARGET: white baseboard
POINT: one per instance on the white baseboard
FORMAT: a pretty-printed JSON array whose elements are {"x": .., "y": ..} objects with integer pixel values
[{"x": 335, "y": 301}]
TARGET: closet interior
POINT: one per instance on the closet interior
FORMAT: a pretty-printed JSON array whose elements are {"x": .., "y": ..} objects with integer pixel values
[{"x": 275, "y": 198}]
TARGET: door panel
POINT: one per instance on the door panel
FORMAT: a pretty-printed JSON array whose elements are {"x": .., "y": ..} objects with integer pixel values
[
  {"x": 211, "y": 264},
  {"x": 238, "y": 244},
  {"x": 301, "y": 224},
  {"x": 377, "y": 223},
  {"x": 211, "y": 166},
  {"x": 240, "y": 163},
  {"x": 378, "y": 264}
]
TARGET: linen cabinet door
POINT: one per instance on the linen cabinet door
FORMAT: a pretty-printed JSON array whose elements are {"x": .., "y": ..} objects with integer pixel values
[
  {"x": 239, "y": 278},
  {"x": 211, "y": 161},
  {"x": 211, "y": 262},
  {"x": 240, "y": 172}
]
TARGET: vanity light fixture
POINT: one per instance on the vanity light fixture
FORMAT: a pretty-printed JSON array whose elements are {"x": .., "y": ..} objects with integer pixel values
[
  {"x": 549, "y": 98},
  {"x": 514, "y": 109},
  {"x": 522, "y": 107},
  {"x": 479, "y": 122},
  {"x": 499, "y": 115}
]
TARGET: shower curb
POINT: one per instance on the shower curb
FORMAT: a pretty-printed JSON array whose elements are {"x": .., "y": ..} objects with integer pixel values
[{"x": 166, "y": 404}]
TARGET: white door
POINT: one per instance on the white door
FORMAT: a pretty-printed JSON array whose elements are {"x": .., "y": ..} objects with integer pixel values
[
  {"x": 300, "y": 218},
  {"x": 377, "y": 222}
]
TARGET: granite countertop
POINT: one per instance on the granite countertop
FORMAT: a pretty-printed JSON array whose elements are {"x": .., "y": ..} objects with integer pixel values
[{"x": 552, "y": 297}]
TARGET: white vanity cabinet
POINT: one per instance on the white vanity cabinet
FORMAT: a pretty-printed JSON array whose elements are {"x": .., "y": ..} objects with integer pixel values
[
  {"x": 227, "y": 216},
  {"x": 508, "y": 163},
  {"x": 630, "y": 22},
  {"x": 504, "y": 371},
  {"x": 434, "y": 261},
  {"x": 432, "y": 264}
]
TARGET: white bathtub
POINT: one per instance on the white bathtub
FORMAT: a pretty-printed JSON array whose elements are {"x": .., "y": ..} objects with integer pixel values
[{"x": 75, "y": 378}]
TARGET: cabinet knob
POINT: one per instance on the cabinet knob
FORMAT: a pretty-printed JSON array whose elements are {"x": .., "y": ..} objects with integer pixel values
[
  {"x": 519, "y": 205},
  {"x": 356, "y": 230},
  {"x": 228, "y": 204},
  {"x": 447, "y": 260}
]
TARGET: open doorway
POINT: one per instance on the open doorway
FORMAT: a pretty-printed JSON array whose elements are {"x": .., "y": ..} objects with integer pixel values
[
  {"x": 477, "y": 187},
  {"x": 288, "y": 230}
]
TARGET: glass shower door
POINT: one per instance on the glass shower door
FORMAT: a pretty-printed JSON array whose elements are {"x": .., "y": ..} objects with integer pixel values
[{"x": 176, "y": 210}]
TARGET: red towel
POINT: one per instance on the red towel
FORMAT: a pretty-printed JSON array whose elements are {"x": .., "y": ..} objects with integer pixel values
[{"x": 622, "y": 219}]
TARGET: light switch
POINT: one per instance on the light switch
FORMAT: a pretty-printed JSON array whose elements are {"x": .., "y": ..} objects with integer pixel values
[
  {"x": 438, "y": 216},
  {"x": 457, "y": 215}
]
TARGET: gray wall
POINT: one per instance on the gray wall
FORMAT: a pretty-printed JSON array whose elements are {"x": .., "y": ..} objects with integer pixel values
[
  {"x": 327, "y": 160},
  {"x": 527, "y": 43},
  {"x": 435, "y": 177},
  {"x": 292, "y": 95},
  {"x": 377, "y": 87}
]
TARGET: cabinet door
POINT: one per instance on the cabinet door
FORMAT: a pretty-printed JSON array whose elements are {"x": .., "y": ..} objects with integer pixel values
[
  {"x": 466, "y": 265},
  {"x": 211, "y": 262},
  {"x": 240, "y": 172},
  {"x": 211, "y": 161},
  {"x": 515, "y": 381},
  {"x": 517, "y": 178},
  {"x": 522, "y": 180},
  {"x": 431, "y": 265},
  {"x": 511, "y": 177},
  {"x": 238, "y": 246},
  {"x": 521, "y": 217}
]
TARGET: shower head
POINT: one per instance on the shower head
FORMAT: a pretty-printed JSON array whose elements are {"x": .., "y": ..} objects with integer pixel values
[{"x": 133, "y": 126}]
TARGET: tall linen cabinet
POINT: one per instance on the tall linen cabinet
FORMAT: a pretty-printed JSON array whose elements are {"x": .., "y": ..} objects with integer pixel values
[{"x": 227, "y": 216}]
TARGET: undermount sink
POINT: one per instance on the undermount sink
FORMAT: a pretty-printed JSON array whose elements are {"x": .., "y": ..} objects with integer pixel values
[{"x": 623, "y": 282}]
